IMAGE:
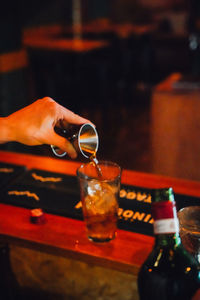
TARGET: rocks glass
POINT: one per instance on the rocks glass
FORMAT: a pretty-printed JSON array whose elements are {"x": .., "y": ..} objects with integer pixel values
[
  {"x": 189, "y": 220},
  {"x": 99, "y": 188}
]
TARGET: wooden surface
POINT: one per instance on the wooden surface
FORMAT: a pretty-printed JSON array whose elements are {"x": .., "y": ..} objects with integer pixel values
[
  {"x": 50, "y": 37},
  {"x": 167, "y": 84},
  {"x": 175, "y": 130},
  {"x": 94, "y": 27},
  {"x": 61, "y": 44},
  {"x": 66, "y": 237}
]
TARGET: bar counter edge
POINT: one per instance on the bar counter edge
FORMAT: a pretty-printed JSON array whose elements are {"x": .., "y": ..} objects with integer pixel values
[{"x": 66, "y": 237}]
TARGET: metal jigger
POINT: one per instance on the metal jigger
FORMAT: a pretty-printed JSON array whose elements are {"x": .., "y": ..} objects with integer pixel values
[{"x": 84, "y": 139}]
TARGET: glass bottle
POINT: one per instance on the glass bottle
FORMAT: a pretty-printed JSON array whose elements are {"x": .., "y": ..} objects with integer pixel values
[{"x": 169, "y": 272}]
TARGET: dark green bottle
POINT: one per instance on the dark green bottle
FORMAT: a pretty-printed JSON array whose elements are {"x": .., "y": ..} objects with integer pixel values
[{"x": 169, "y": 272}]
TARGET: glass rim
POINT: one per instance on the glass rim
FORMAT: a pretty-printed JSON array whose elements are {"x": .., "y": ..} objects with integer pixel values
[{"x": 108, "y": 162}]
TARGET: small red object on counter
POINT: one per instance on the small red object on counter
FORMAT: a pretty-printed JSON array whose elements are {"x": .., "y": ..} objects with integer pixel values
[{"x": 37, "y": 216}]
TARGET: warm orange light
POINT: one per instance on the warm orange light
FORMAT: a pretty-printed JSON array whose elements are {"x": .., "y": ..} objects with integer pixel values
[{"x": 13, "y": 61}]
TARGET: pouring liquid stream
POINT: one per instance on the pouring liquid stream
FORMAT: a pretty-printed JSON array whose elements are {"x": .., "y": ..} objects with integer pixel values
[{"x": 94, "y": 159}]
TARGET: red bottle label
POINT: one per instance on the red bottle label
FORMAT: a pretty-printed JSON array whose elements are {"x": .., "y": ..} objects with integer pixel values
[
  {"x": 164, "y": 210},
  {"x": 165, "y": 217}
]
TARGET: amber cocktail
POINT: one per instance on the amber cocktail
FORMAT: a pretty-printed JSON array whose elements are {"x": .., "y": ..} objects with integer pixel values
[{"x": 99, "y": 196}]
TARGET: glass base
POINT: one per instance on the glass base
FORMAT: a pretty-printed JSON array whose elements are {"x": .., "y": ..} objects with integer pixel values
[{"x": 101, "y": 240}]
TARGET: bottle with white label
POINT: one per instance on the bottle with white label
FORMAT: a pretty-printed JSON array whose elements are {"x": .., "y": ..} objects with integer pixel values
[{"x": 169, "y": 272}]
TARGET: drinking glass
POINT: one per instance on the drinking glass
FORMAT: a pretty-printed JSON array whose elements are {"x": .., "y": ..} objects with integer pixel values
[
  {"x": 99, "y": 189},
  {"x": 189, "y": 220}
]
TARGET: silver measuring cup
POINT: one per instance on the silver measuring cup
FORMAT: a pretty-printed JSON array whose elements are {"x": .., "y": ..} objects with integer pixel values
[{"x": 84, "y": 139}]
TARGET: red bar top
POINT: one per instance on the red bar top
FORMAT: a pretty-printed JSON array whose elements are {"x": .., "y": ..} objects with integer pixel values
[
  {"x": 66, "y": 237},
  {"x": 49, "y": 43}
]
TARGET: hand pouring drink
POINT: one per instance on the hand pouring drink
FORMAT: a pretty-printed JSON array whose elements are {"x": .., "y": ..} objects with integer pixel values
[{"x": 99, "y": 183}]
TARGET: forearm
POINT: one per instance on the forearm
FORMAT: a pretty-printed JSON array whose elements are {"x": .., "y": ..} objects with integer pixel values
[{"x": 5, "y": 131}]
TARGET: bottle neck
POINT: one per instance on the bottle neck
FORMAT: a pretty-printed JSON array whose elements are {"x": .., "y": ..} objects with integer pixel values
[
  {"x": 166, "y": 224},
  {"x": 171, "y": 240}
]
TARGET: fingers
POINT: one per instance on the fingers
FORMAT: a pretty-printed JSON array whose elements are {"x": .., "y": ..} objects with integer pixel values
[{"x": 64, "y": 145}]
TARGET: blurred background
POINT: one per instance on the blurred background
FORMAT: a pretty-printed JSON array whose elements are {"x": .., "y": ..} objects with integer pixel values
[{"x": 130, "y": 66}]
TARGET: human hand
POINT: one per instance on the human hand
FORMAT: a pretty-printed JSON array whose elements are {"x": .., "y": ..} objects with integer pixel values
[{"x": 34, "y": 124}]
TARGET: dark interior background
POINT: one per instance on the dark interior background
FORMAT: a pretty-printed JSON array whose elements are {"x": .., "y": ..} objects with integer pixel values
[{"x": 112, "y": 87}]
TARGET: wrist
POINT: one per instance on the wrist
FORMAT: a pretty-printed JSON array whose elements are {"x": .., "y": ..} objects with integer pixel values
[{"x": 5, "y": 131}]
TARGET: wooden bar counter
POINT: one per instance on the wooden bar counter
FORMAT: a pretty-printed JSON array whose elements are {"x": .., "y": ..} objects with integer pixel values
[{"x": 65, "y": 262}]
